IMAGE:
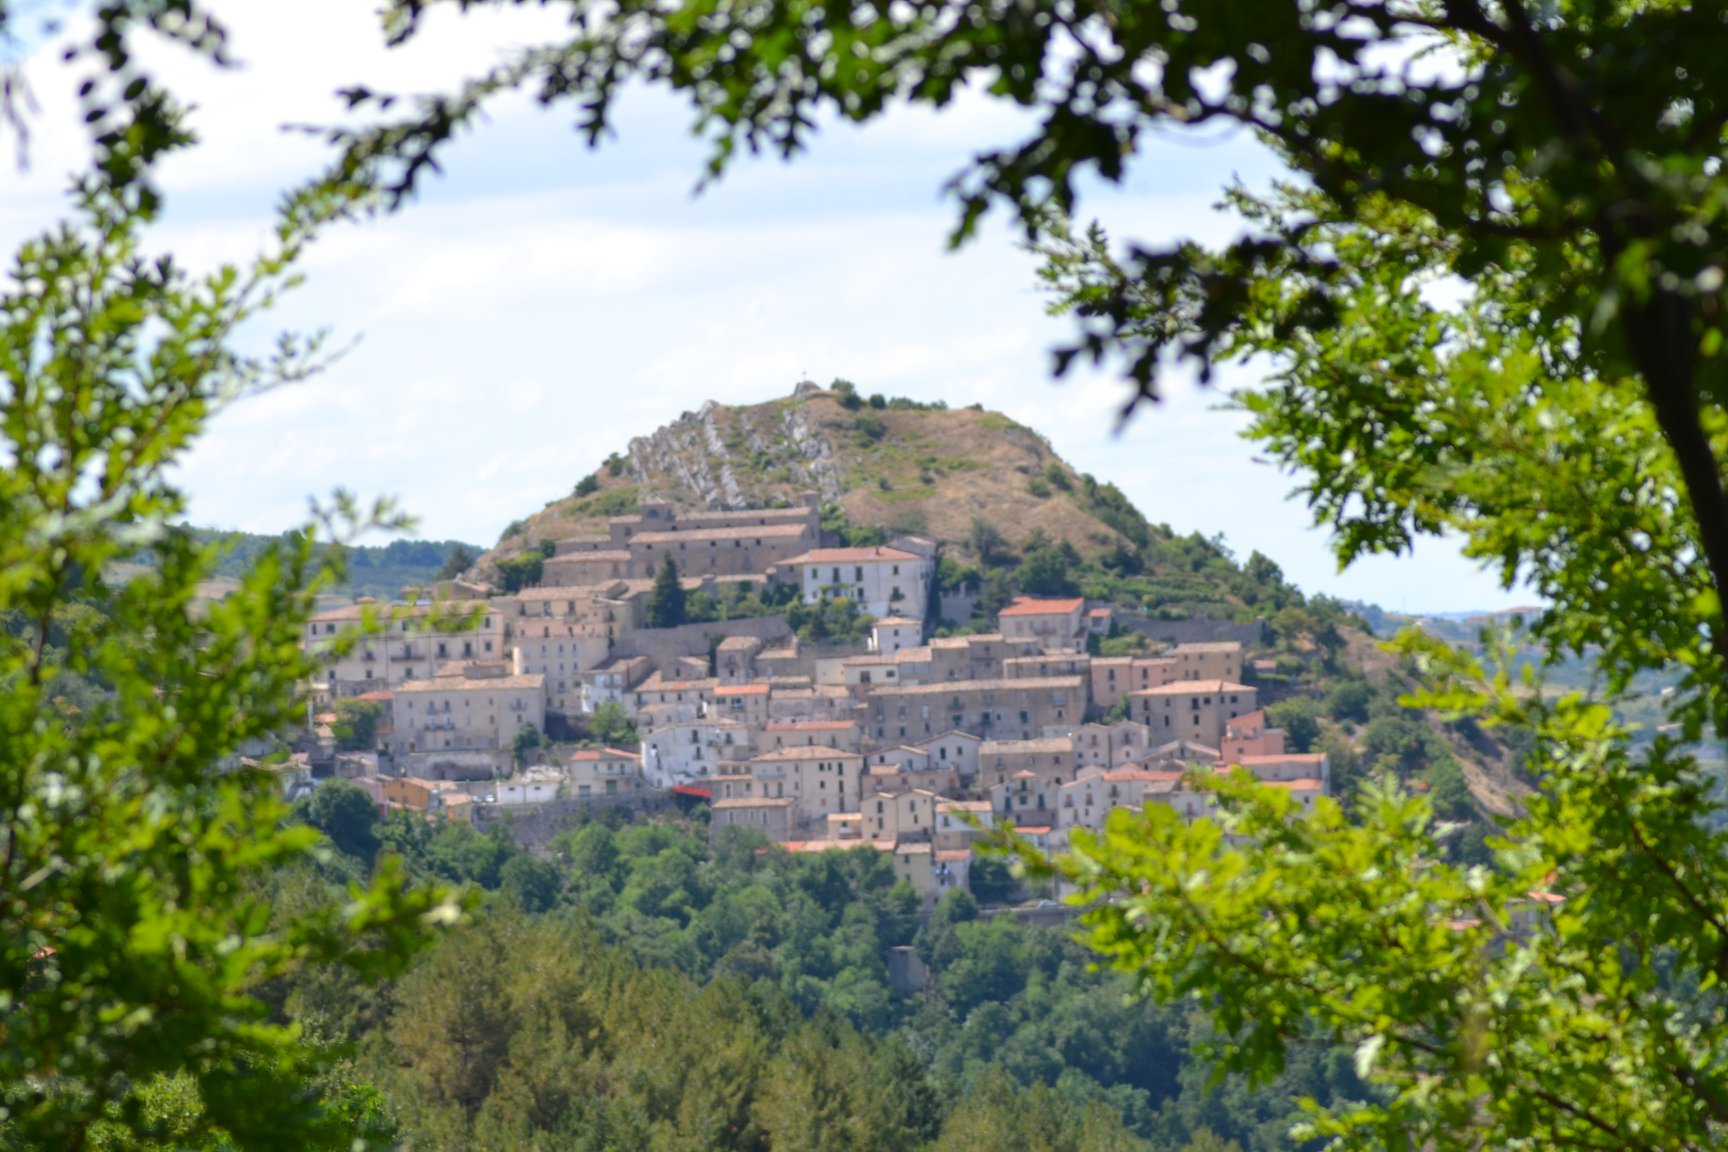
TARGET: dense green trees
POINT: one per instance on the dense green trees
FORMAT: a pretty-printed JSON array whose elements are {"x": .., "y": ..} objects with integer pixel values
[
  {"x": 344, "y": 813},
  {"x": 640, "y": 987}
]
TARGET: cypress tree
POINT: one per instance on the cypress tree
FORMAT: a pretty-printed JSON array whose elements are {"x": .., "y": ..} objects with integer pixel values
[{"x": 666, "y": 605}]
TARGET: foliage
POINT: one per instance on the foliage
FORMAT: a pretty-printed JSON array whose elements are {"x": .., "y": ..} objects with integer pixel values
[
  {"x": 666, "y": 608},
  {"x": 1046, "y": 571},
  {"x": 848, "y": 534},
  {"x": 1348, "y": 700},
  {"x": 356, "y": 727},
  {"x": 532, "y": 883},
  {"x": 832, "y": 619},
  {"x": 988, "y": 543},
  {"x": 460, "y": 559},
  {"x": 343, "y": 812},
  {"x": 588, "y": 485},
  {"x": 1129, "y": 643},
  {"x": 380, "y": 570},
  {"x": 641, "y": 976},
  {"x": 869, "y": 429},
  {"x": 1299, "y": 717},
  {"x": 520, "y": 571},
  {"x": 611, "y": 725},
  {"x": 525, "y": 742},
  {"x": 991, "y": 881},
  {"x": 134, "y": 844},
  {"x": 953, "y": 576}
]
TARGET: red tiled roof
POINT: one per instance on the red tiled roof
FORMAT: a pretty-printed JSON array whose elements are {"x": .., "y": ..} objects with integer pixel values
[
  {"x": 1023, "y": 606},
  {"x": 1192, "y": 687}
]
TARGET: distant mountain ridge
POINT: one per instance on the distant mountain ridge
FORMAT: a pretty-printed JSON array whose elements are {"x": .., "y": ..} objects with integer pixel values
[{"x": 380, "y": 570}]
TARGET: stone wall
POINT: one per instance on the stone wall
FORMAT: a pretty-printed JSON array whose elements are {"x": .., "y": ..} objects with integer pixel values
[
  {"x": 664, "y": 645},
  {"x": 534, "y": 826},
  {"x": 450, "y": 764},
  {"x": 1198, "y": 630}
]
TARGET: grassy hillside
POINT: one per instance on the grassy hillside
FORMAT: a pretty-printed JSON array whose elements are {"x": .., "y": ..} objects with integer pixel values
[{"x": 973, "y": 479}]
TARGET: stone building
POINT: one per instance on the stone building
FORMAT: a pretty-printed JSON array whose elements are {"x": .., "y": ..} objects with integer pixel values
[
  {"x": 993, "y": 709},
  {"x": 467, "y": 708},
  {"x": 396, "y": 643}
]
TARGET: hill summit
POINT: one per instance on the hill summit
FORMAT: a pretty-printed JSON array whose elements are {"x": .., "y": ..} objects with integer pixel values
[{"x": 892, "y": 464}]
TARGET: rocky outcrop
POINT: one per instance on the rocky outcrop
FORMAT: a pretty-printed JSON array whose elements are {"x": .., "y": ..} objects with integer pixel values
[
  {"x": 717, "y": 457},
  {"x": 812, "y": 445}
]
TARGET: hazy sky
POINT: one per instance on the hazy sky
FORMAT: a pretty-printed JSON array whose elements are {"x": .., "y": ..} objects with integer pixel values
[{"x": 542, "y": 304}]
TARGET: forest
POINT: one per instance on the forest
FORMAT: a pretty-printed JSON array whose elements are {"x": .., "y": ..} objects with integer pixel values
[
  {"x": 378, "y": 570},
  {"x": 641, "y": 988}
]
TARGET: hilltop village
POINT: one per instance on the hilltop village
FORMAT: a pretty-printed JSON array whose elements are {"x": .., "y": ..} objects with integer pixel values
[{"x": 485, "y": 705}]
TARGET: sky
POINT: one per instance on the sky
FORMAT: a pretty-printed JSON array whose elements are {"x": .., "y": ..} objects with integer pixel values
[{"x": 541, "y": 304}]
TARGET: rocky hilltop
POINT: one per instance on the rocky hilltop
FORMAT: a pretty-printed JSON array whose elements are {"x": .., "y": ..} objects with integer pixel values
[{"x": 893, "y": 464}]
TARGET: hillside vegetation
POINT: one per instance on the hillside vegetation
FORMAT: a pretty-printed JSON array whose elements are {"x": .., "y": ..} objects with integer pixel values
[{"x": 973, "y": 479}]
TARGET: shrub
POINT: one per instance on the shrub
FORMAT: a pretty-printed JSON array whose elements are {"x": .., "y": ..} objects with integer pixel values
[
  {"x": 589, "y": 484},
  {"x": 1348, "y": 700},
  {"x": 356, "y": 727},
  {"x": 847, "y": 394},
  {"x": 519, "y": 572}
]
